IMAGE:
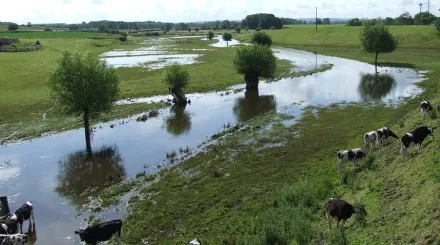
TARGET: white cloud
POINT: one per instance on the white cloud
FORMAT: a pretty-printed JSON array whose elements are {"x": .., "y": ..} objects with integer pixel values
[{"x": 76, "y": 11}]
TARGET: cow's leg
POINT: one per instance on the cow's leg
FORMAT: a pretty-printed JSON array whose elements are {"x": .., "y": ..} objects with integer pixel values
[
  {"x": 354, "y": 162},
  {"x": 329, "y": 220},
  {"x": 418, "y": 147}
]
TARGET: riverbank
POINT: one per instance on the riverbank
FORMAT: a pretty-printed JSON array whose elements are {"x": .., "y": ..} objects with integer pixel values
[{"x": 235, "y": 192}]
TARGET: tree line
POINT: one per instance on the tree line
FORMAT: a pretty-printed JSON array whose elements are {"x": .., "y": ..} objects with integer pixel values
[
  {"x": 262, "y": 21},
  {"x": 423, "y": 18}
]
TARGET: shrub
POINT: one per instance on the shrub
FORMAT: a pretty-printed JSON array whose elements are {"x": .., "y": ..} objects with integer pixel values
[
  {"x": 176, "y": 76},
  {"x": 354, "y": 22},
  {"x": 258, "y": 29},
  {"x": 210, "y": 35},
  {"x": 254, "y": 61},
  {"x": 13, "y": 27},
  {"x": 272, "y": 27},
  {"x": 338, "y": 237},
  {"x": 261, "y": 38},
  {"x": 47, "y": 29},
  {"x": 369, "y": 161},
  {"x": 123, "y": 38}
]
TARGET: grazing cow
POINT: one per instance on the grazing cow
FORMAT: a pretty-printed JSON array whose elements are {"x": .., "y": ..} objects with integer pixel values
[
  {"x": 101, "y": 232},
  {"x": 15, "y": 222},
  {"x": 353, "y": 154},
  {"x": 195, "y": 242},
  {"x": 338, "y": 209},
  {"x": 384, "y": 133},
  {"x": 425, "y": 107},
  {"x": 417, "y": 136},
  {"x": 371, "y": 139},
  {"x": 16, "y": 239}
]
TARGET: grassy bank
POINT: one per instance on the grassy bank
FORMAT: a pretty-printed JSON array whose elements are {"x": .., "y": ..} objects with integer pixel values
[{"x": 245, "y": 191}]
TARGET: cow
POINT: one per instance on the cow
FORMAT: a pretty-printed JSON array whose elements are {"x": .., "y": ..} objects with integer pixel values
[
  {"x": 384, "y": 133},
  {"x": 417, "y": 136},
  {"x": 15, "y": 221},
  {"x": 15, "y": 239},
  {"x": 353, "y": 155},
  {"x": 101, "y": 232},
  {"x": 195, "y": 242},
  {"x": 371, "y": 139},
  {"x": 425, "y": 107},
  {"x": 338, "y": 209}
]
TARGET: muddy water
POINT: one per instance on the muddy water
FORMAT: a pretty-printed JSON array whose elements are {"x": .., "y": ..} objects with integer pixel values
[{"x": 57, "y": 177}]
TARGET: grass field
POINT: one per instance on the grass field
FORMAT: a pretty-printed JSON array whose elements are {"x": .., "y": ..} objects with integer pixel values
[{"x": 251, "y": 194}]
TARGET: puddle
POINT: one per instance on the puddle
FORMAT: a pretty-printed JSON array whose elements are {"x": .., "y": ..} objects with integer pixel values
[
  {"x": 58, "y": 178},
  {"x": 159, "y": 60},
  {"x": 178, "y": 37},
  {"x": 221, "y": 43}
]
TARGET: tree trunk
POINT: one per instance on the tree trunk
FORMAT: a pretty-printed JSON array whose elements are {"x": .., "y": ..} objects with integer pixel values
[
  {"x": 178, "y": 96},
  {"x": 227, "y": 43},
  {"x": 375, "y": 62},
  {"x": 87, "y": 130},
  {"x": 251, "y": 81}
]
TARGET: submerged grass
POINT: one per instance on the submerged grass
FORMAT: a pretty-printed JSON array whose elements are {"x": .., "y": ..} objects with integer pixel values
[{"x": 275, "y": 195}]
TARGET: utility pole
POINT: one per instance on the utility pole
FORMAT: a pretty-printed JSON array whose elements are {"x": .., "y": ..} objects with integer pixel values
[
  {"x": 316, "y": 20},
  {"x": 420, "y": 7}
]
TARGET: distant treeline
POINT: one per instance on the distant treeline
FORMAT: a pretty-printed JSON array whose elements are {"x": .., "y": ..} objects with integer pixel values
[
  {"x": 262, "y": 21},
  {"x": 423, "y": 18}
]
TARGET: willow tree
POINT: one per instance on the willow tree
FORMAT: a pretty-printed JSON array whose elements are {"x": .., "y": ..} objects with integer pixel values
[
  {"x": 227, "y": 37},
  {"x": 376, "y": 39},
  {"x": 255, "y": 61},
  {"x": 82, "y": 84},
  {"x": 176, "y": 77}
]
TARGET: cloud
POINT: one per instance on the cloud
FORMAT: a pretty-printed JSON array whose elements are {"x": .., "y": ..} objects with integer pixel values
[
  {"x": 302, "y": 6},
  {"x": 327, "y": 6},
  {"x": 97, "y": 1},
  {"x": 67, "y": 1}
]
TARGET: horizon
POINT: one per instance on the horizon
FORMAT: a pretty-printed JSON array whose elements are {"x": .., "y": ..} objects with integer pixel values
[{"x": 176, "y": 11}]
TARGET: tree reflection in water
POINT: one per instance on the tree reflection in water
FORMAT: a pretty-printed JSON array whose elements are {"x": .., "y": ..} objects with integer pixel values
[
  {"x": 82, "y": 174},
  {"x": 179, "y": 121},
  {"x": 375, "y": 87},
  {"x": 252, "y": 105}
]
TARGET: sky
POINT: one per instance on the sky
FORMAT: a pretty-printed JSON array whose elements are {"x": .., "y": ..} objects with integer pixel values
[{"x": 76, "y": 11}]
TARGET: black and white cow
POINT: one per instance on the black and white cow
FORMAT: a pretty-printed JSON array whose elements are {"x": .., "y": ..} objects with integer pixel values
[
  {"x": 15, "y": 222},
  {"x": 417, "y": 136},
  {"x": 384, "y": 133},
  {"x": 195, "y": 242},
  {"x": 371, "y": 139},
  {"x": 15, "y": 239},
  {"x": 425, "y": 107},
  {"x": 101, "y": 232},
  {"x": 350, "y": 155}
]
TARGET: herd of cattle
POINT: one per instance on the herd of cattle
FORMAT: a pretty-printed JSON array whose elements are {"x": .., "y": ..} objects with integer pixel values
[
  {"x": 11, "y": 225},
  {"x": 341, "y": 210}
]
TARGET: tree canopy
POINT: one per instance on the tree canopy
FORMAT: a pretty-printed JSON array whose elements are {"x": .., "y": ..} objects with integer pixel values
[
  {"x": 405, "y": 19},
  {"x": 12, "y": 27},
  {"x": 83, "y": 84},
  {"x": 254, "y": 61},
  {"x": 354, "y": 22},
  {"x": 261, "y": 38},
  {"x": 176, "y": 76},
  {"x": 424, "y": 18},
  {"x": 377, "y": 39},
  {"x": 263, "y": 21},
  {"x": 210, "y": 35},
  {"x": 227, "y": 36}
]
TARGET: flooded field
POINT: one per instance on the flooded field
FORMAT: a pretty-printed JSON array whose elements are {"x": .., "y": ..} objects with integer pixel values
[{"x": 55, "y": 175}]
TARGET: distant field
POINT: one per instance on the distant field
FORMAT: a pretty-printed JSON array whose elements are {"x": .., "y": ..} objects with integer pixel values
[
  {"x": 348, "y": 36},
  {"x": 48, "y": 34},
  {"x": 22, "y": 28}
]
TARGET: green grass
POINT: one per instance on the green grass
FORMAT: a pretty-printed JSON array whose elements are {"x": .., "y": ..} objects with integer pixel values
[
  {"x": 25, "y": 97},
  {"x": 235, "y": 198}
]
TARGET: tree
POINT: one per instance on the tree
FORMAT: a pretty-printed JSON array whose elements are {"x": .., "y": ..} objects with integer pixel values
[
  {"x": 326, "y": 21},
  {"x": 238, "y": 30},
  {"x": 177, "y": 78},
  {"x": 437, "y": 24},
  {"x": 261, "y": 38},
  {"x": 197, "y": 29},
  {"x": 405, "y": 19},
  {"x": 29, "y": 24},
  {"x": 210, "y": 35},
  {"x": 227, "y": 36},
  {"x": 102, "y": 27},
  {"x": 388, "y": 21},
  {"x": 377, "y": 39},
  {"x": 318, "y": 21},
  {"x": 13, "y": 27},
  {"x": 254, "y": 61},
  {"x": 189, "y": 29},
  {"x": 424, "y": 18},
  {"x": 354, "y": 22},
  {"x": 225, "y": 24},
  {"x": 83, "y": 84},
  {"x": 123, "y": 25}
]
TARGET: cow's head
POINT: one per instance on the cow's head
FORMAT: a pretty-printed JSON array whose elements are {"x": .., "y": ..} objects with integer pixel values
[{"x": 82, "y": 234}]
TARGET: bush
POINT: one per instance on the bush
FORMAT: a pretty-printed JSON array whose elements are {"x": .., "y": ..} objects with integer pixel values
[
  {"x": 123, "y": 38},
  {"x": 176, "y": 76},
  {"x": 369, "y": 161},
  {"x": 360, "y": 215},
  {"x": 272, "y": 28},
  {"x": 354, "y": 22},
  {"x": 47, "y": 29},
  {"x": 258, "y": 29},
  {"x": 261, "y": 38},
  {"x": 210, "y": 35},
  {"x": 254, "y": 61},
  {"x": 437, "y": 24},
  {"x": 12, "y": 27},
  {"x": 338, "y": 237}
]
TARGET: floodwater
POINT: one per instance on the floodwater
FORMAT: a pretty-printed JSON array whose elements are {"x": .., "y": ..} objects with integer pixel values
[
  {"x": 221, "y": 43},
  {"x": 54, "y": 173},
  {"x": 158, "y": 61}
]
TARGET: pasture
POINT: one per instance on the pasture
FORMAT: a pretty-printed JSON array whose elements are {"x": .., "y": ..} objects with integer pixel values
[
  {"x": 267, "y": 180},
  {"x": 240, "y": 198}
]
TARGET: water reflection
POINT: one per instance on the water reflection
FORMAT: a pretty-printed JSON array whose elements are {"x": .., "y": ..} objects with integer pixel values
[
  {"x": 179, "y": 121},
  {"x": 82, "y": 174},
  {"x": 252, "y": 105},
  {"x": 375, "y": 86}
]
